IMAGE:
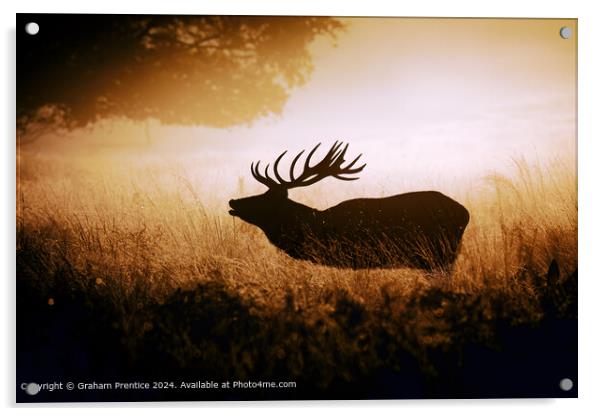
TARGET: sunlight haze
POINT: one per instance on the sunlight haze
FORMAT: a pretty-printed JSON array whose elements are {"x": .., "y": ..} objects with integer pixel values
[{"x": 429, "y": 103}]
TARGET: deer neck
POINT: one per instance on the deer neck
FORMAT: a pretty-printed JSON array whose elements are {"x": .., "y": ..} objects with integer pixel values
[{"x": 292, "y": 221}]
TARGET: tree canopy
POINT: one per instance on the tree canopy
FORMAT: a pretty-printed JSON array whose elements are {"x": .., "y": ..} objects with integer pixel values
[{"x": 215, "y": 71}]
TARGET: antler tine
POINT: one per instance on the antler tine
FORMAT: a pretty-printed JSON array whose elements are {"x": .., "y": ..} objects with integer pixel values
[
  {"x": 278, "y": 177},
  {"x": 349, "y": 172},
  {"x": 339, "y": 157},
  {"x": 266, "y": 180},
  {"x": 335, "y": 154},
  {"x": 257, "y": 173},
  {"x": 254, "y": 170},
  {"x": 292, "y": 169},
  {"x": 306, "y": 167},
  {"x": 266, "y": 174},
  {"x": 345, "y": 178},
  {"x": 348, "y": 168},
  {"x": 333, "y": 149}
]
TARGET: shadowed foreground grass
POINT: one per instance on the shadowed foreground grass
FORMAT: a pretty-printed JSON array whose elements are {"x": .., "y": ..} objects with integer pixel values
[{"x": 139, "y": 280}]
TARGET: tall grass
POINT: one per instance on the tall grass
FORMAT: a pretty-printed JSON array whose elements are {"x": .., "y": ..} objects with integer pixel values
[
  {"x": 140, "y": 240},
  {"x": 159, "y": 221}
]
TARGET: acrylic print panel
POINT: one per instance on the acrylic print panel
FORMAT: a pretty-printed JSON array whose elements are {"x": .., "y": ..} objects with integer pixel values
[{"x": 257, "y": 208}]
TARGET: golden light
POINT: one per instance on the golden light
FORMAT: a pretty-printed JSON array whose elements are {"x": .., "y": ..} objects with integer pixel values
[{"x": 429, "y": 102}]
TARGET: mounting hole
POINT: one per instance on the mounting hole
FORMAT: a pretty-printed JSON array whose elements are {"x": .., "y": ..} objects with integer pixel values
[
  {"x": 32, "y": 28},
  {"x": 566, "y": 32},
  {"x": 32, "y": 389},
  {"x": 566, "y": 384}
]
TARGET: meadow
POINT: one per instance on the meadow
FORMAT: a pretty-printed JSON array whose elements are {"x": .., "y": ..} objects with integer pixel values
[{"x": 137, "y": 271}]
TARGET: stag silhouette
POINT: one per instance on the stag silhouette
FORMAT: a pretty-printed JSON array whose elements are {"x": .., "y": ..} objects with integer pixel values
[{"x": 418, "y": 229}]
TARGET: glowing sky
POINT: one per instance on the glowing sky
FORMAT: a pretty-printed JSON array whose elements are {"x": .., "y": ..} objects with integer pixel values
[
  {"x": 423, "y": 99},
  {"x": 463, "y": 93}
]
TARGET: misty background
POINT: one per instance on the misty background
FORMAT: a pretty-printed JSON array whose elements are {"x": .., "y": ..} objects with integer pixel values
[{"x": 431, "y": 103}]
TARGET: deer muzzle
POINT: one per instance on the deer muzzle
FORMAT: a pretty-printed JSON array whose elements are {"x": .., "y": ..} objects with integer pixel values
[{"x": 232, "y": 204}]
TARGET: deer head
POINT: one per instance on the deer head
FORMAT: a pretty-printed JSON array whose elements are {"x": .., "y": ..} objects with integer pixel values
[{"x": 273, "y": 206}]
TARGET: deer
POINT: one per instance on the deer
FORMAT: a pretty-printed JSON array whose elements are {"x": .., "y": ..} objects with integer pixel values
[{"x": 418, "y": 230}]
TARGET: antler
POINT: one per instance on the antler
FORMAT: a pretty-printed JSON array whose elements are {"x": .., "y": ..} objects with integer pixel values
[{"x": 330, "y": 165}]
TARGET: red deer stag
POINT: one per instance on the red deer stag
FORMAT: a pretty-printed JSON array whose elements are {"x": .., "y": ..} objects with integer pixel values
[{"x": 417, "y": 229}]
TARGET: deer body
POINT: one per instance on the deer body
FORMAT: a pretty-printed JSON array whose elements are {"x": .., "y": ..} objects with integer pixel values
[{"x": 417, "y": 229}]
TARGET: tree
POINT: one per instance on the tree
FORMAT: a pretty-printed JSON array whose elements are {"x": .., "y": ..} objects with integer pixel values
[{"x": 216, "y": 71}]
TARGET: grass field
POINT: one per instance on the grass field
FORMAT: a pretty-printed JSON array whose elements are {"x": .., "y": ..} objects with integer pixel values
[{"x": 140, "y": 271}]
